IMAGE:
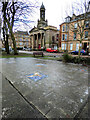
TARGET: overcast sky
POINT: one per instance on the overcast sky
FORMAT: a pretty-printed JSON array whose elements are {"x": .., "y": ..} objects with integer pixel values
[{"x": 55, "y": 11}]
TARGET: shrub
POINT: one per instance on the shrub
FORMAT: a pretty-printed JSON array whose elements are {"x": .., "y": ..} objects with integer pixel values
[
  {"x": 58, "y": 50},
  {"x": 67, "y": 58}
]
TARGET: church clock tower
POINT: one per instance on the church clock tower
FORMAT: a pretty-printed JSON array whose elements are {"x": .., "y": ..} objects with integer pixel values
[
  {"x": 42, "y": 12},
  {"x": 42, "y": 22}
]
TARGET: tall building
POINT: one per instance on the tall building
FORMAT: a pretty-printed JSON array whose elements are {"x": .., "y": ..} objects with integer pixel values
[
  {"x": 44, "y": 35},
  {"x": 74, "y": 30}
]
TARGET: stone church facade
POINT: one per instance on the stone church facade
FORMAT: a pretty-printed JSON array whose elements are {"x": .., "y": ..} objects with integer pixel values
[{"x": 43, "y": 36}]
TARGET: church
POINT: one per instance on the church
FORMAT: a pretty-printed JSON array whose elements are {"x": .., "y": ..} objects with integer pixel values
[{"x": 43, "y": 36}]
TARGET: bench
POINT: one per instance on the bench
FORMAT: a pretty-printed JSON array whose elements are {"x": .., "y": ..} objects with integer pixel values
[{"x": 38, "y": 53}]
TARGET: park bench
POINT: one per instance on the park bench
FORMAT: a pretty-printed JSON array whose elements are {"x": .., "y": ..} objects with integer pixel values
[{"x": 38, "y": 53}]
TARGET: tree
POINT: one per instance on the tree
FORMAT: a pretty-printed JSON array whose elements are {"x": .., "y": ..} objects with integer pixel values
[
  {"x": 78, "y": 21},
  {"x": 81, "y": 21},
  {"x": 5, "y": 29},
  {"x": 16, "y": 12}
]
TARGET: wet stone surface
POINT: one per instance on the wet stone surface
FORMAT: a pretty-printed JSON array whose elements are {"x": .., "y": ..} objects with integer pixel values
[
  {"x": 14, "y": 105},
  {"x": 60, "y": 95}
]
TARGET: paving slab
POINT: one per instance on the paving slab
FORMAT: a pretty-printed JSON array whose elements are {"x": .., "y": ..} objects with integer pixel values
[
  {"x": 14, "y": 105},
  {"x": 60, "y": 95}
]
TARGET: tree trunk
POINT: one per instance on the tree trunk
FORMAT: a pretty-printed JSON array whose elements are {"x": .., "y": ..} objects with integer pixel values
[
  {"x": 79, "y": 50},
  {"x": 14, "y": 43},
  {"x": 7, "y": 45},
  {"x": 4, "y": 39}
]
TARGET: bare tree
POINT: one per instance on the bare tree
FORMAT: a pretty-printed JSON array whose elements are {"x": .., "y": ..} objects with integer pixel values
[
  {"x": 17, "y": 12},
  {"x": 5, "y": 28},
  {"x": 81, "y": 20},
  {"x": 77, "y": 24}
]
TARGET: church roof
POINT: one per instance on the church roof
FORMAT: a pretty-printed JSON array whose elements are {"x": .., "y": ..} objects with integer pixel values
[{"x": 42, "y": 6}]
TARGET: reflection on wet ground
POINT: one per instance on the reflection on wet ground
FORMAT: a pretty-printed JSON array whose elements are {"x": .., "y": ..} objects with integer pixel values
[{"x": 61, "y": 94}]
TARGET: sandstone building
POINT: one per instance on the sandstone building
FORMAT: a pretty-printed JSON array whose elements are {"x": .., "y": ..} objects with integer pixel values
[
  {"x": 70, "y": 35},
  {"x": 22, "y": 40},
  {"x": 43, "y": 36}
]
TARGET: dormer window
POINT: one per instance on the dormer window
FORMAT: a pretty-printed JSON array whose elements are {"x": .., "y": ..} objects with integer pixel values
[{"x": 67, "y": 19}]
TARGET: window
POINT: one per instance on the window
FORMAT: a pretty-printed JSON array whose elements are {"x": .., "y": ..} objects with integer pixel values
[
  {"x": 62, "y": 46},
  {"x": 74, "y": 37},
  {"x": 86, "y": 34},
  {"x": 23, "y": 39},
  {"x": 71, "y": 46},
  {"x": 57, "y": 37},
  {"x": 63, "y": 28},
  {"x": 20, "y": 39},
  {"x": 87, "y": 24},
  {"x": 67, "y": 19},
  {"x": 27, "y": 40},
  {"x": 20, "y": 43},
  {"x": 75, "y": 25},
  {"x": 42, "y": 14},
  {"x": 20, "y": 35},
  {"x": 77, "y": 46},
  {"x": 26, "y": 43},
  {"x": 26, "y": 36},
  {"x": 23, "y": 36},
  {"x": 63, "y": 36},
  {"x": 53, "y": 38},
  {"x": 65, "y": 46},
  {"x": 66, "y": 27}
]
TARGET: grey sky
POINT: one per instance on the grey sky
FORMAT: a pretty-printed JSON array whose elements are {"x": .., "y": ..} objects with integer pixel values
[{"x": 56, "y": 11}]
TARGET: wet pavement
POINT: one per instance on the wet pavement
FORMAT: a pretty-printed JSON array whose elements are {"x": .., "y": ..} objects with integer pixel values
[
  {"x": 61, "y": 93},
  {"x": 14, "y": 105}
]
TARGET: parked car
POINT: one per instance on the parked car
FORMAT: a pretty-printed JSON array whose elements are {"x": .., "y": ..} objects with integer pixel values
[
  {"x": 3, "y": 49},
  {"x": 81, "y": 52},
  {"x": 51, "y": 50}
]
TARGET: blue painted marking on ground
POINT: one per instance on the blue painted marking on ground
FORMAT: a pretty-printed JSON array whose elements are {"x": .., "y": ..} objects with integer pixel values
[
  {"x": 40, "y": 64},
  {"x": 37, "y": 76},
  {"x": 82, "y": 70}
]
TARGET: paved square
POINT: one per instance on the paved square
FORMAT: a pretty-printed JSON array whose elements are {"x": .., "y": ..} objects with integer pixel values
[{"x": 60, "y": 95}]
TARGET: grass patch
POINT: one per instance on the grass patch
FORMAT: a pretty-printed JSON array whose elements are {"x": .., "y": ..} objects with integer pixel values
[
  {"x": 20, "y": 55},
  {"x": 4, "y": 55}
]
